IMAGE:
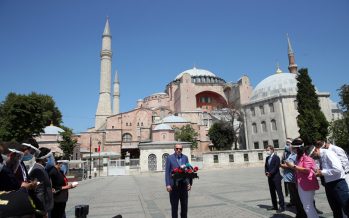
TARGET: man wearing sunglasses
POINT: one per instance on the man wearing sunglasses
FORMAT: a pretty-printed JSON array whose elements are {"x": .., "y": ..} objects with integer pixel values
[{"x": 178, "y": 190}]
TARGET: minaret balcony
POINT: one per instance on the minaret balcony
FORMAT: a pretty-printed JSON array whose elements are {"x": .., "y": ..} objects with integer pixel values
[{"x": 106, "y": 53}]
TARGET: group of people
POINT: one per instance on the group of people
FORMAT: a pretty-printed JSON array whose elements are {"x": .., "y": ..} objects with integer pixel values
[
  {"x": 302, "y": 166},
  {"x": 39, "y": 190}
]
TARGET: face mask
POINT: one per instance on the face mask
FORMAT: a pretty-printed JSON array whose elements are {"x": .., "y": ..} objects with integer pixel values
[
  {"x": 50, "y": 162},
  {"x": 268, "y": 153},
  {"x": 27, "y": 157},
  {"x": 287, "y": 148},
  {"x": 64, "y": 169}
]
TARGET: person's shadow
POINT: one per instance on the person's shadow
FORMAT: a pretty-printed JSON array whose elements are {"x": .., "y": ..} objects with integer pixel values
[{"x": 277, "y": 215}]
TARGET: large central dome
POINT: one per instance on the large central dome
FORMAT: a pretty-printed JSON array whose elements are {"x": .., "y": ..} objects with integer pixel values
[
  {"x": 280, "y": 84},
  {"x": 196, "y": 72}
]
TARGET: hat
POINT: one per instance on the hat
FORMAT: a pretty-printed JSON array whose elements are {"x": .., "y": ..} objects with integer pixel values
[
  {"x": 297, "y": 142},
  {"x": 310, "y": 150},
  {"x": 44, "y": 153},
  {"x": 288, "y": 141}
]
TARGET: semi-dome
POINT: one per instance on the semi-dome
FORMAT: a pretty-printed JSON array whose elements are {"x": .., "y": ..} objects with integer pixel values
[
  {"x": 196, "y": 72},
  {"x": 280, "y": 84},
  {"x": 52, "y": 130},
  {"x": 174, "y": 119},
  {"x": 162, "y": 126}
]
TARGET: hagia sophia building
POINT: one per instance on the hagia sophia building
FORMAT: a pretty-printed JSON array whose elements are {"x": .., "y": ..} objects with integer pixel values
[{"x": 197, "y": 97}]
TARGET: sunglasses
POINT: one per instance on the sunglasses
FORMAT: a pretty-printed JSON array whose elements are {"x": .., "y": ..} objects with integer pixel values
[{"x": 179, "y": 149}]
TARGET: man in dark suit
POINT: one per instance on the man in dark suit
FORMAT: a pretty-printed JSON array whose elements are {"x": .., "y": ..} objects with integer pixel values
[
  {"x": 272, "y": 164},
  {"x": 178, "y": 189},
  {"x": 43, "y": 196}
]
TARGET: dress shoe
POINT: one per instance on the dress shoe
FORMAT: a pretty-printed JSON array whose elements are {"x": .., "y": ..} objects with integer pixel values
[
  {"x": 272, "y": 208},
  {"x": 289, "y": 205},
  {"x": 318, "y": 211},
  {"x": 280, "y": 210}
]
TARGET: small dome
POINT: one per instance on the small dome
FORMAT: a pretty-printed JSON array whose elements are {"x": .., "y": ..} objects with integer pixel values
[
  {"x": 52, "y": 130},
  {"x": 174, "y": 119},
  {"x": 162, "y": 127},
  {"x": 159, "y": 93},
  {"x": 196, "y": 72},
  {"x": 280, "y": 84}
]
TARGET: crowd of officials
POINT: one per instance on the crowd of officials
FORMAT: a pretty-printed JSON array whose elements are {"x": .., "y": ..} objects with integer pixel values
[
  {"x": 36, "y": 190},
  {"x": 303, "y": 168}
]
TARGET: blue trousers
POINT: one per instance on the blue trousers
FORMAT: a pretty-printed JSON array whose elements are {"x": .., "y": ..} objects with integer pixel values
[
  {"x": 337, "y": 193},
  {"x": 179, "y": 193}
]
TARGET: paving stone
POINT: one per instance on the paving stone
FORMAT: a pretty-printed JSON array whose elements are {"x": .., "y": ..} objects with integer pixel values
[{"x": 223, "y": 193}]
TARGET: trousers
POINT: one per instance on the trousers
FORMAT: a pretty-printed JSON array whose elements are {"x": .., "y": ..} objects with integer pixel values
[
  {"x": 307, "y": 198},
  {"x": 179, "y": 194}
]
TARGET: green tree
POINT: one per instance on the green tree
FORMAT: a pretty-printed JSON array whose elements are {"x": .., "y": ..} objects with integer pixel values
[
  {"x": 222, "y": 135},
  {"x": 25, "y": 116},
  {"x": 311, "y": 121},
  {"x": 339, "y": 133},
  {"x": 187, "y": 134},
  {"x": 339, "y": 129},
  {"x": 68, "y": 142}
]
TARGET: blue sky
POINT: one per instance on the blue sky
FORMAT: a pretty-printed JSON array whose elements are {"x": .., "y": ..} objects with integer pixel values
[{"x": 52, "y": 47}]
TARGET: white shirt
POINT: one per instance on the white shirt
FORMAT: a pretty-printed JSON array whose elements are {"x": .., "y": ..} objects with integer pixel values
[
  {"x": 270, "y": 157},
  {"x": 341, "y": 155},
  {"x": 331, "y": 166}
]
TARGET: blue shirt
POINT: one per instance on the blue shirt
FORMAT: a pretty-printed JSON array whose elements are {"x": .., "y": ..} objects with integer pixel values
[{"x": 289, "y": 173}]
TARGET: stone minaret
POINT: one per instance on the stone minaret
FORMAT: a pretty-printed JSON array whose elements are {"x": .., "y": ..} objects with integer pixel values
[
  {"x": 116, "y": 95},
  {"x": 292, "y": 66},
  {"x": 104, "y": 102}
]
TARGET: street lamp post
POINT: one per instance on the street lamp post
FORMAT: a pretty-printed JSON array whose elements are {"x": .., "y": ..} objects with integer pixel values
[
  {"x": 90, "y": 160},
  {"x": 99, "y": 158}
]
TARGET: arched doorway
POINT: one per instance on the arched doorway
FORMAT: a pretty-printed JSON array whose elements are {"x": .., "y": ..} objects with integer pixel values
[{"x": 152, "y": 163}]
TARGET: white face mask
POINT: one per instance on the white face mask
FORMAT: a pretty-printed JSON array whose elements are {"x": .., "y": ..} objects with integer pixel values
[{"x": 269, "y": 153}]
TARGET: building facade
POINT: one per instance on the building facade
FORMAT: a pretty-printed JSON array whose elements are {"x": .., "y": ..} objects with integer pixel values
[{"x": 195, "y": 97}]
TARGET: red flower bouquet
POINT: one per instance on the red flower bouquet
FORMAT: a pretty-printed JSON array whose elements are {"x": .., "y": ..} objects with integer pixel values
[{"x": 185, "y": 172}]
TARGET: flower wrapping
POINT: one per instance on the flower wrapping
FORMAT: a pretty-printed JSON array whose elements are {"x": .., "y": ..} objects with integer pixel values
[{"x": 185, "y": 172}]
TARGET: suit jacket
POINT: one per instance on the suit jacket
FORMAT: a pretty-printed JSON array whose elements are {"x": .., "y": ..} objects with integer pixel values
[
  {"x": 19, "y": 172},
  {"x": 42, "y": 195},
  {"x": 273, "y": 167},
  {"x": 58, "y": 182},
  {"x": 172, "y": 163},
  {"x": 8, "y": 180}
]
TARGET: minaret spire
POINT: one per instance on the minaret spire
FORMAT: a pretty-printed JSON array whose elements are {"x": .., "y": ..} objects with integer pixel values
[
  {"x": 292, "y": 66},
  {"x": 116, "y": 95},
  {"x": 104, "y": 102},
  {"x": 106, "y": 31}
]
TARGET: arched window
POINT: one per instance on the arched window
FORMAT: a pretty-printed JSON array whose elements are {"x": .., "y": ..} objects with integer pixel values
[
  {"x": 273, "y": 125},
  {"x": 254, "y": 127},
  {"x": 264, "y": 126},
  {"x": 164, "y": 158},
  {"x": 127, "y": 137},
  {"x": 152, "y": 163},
  {"x": 271, "y": 107}
]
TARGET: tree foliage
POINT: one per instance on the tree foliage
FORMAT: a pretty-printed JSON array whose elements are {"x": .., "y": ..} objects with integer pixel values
[
  {"x": 25, "y": 116},
  {"x": 236, "y": 121},
  {"x": 187, "y": 134},
  {"x": 339, "y": 129},
  {"x": 311, "y": 121},
  {"x": 222, "y": 135},
  {"x": 68, "y": 143}
]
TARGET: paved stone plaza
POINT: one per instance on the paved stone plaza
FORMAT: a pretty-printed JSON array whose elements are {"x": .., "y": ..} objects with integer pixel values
[{"x": 236, "y": 193}]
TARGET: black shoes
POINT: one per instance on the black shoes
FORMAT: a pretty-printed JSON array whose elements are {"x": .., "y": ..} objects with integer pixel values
[
  {"x": 272, "y": 208},
  {"x": 280, "y": 210}
]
